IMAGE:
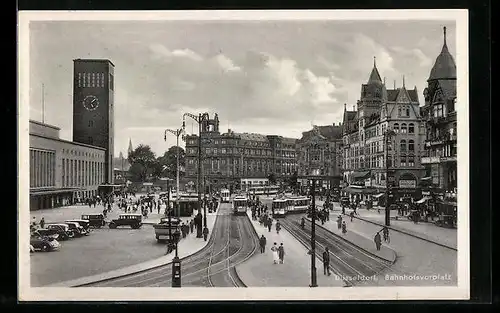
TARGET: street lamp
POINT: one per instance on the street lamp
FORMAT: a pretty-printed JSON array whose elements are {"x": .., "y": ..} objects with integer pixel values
[
  {"x": 314, "y": 173},
  {"x": 176, "y": 262},
  {"x": 387, "y": 136},
  {"x": 199, "y": 119}
]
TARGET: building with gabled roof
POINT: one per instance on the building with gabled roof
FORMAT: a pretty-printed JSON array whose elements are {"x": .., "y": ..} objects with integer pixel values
[{"x": 364, "y": 158}]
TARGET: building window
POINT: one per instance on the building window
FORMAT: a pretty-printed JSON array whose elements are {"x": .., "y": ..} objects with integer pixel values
[
  {"x": 403, "y": 128},
  {"x": 411, "y": 128},
  {"x": 411, "y": 161},
  {"x": 403, "y": 160},
  {"x": 411, "y": 145},
  {"x": 407, "y": 112},
  {"x": 402, "y": 145},
  {"x": 396, "y": 128},
  {"x": 399, "y": 111}
]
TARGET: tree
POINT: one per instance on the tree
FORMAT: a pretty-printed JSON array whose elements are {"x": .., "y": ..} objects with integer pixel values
[
  {"x": 143, "y": 163},
  {"x": 272, "y": 179},
  {"x": 167, "y": 163},
  {"x": 292, "y": 180}
]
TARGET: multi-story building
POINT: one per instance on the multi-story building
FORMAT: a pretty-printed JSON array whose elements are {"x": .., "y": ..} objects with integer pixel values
[
  {"x": 318, "y": 154},
  {"x": 236, "y": 160},
  {"x": 440, "y": 115},
  {"x": 364, "y": 156},
  {"x": 60, "y": 170}
]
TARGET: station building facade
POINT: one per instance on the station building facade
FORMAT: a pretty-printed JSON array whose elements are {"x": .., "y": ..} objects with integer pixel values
[
  {"x": 238, "y": 160},
  {"x": 62, "y": 171}
]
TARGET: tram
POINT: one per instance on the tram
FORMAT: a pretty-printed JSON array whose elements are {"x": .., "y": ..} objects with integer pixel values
[
  {"x": 297, "y": 205},
  {"x": 279, "y": 207},
  {"x": 263, "y": 190},
  {"x": 240, "y": 205},
  {"x": 225, "y": 195}
]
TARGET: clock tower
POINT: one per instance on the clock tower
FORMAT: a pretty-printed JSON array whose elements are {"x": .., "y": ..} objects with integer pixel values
[{"x": 93, "y": 107}]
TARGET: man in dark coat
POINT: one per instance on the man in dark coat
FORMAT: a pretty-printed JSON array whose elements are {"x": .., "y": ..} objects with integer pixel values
[
  {"x": 262, "y": 243},
  {"x": 326, "y": 262},
  {"x": 378, "y": 241},
  {"x": 198, "y": 221},
  {"x": 205, "y": 233}
]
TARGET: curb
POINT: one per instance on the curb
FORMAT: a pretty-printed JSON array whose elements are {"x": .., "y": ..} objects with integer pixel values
[
  {"x": 359, "y": 247},
  {"x": 78, "y": 282},
  {"x": 406, "y": 233}
]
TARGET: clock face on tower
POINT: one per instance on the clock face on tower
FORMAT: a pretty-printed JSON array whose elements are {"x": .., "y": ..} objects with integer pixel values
[{"x": 90, "y": 102}]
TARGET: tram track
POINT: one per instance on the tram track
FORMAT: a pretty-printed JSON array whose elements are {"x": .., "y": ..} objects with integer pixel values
[
  {"x": 346, "y": 260},
  {"x": 232, "y": 242}
]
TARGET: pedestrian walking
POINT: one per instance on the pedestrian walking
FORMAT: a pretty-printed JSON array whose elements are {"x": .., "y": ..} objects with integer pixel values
[
  {"x": 42, "y": 222},
  {"x": 351, "y": 215},
  {"x": 344, "y": 228},
  {"x": 191, "y": 225},
  {"x": 262, "y": 243},
  {"x": 274, "y": 249},
  {"x": 326, "y": 262},
  {"x": 278, "y": 227},
  {"x": 281, "y": 253},
  {"x": 269, "y": 224},
  {"x": 378, "y": 241},
  {"x": 385, "y": 231},
  {"x": 205, "y": 233},
  {"x": 339, "y": 222},
  {"x": 302, "y": 222}
]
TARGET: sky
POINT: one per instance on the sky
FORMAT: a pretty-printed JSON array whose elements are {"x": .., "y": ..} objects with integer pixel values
[{"x": 274, "y": 77}]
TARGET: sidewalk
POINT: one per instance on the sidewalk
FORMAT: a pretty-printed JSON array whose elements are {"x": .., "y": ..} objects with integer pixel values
[
  {"x": 427, "y": 231},
  {"x": 361, "y": 240},
  {"x": 259, "y": 270},
  {"x": 187, "y": 246}
]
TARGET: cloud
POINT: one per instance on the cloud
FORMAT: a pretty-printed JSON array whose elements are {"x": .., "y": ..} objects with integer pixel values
[{"x": 413, "y": 55}]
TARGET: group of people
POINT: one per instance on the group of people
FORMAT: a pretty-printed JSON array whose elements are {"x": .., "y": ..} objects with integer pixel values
[{"x": 277, "y": 251}]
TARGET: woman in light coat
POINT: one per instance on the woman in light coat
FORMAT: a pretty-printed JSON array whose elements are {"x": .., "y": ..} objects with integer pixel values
[{"x": 274, "y": 249}]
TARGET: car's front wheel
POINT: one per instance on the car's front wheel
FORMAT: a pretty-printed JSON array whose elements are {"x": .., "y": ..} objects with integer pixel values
[
  {"x": 45, "y": 248},
  {"x": 112, "y": 225}
]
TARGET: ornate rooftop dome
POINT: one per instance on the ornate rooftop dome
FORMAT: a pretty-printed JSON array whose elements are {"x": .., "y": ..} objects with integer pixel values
[{"x": 444, "y": 67}]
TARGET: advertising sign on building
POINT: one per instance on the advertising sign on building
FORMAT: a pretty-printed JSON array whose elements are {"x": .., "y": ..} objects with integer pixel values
[
  {"x": 407, "y": 183},
  {"x": 368, "y": 182}
]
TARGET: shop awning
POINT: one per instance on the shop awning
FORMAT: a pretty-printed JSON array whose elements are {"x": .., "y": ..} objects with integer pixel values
[
  {"x": 422, "y": 200},
  {"x": 363, "y": 174},
  {"x": 378, "y": 196},
  {"x": 426, "y": 178},
  {"x": 52, "y": 191}
]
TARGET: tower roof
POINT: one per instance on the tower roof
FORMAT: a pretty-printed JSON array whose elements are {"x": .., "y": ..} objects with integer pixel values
[
  {"x": 444, "y": 67},
  {"x": 374, "y": 75},
  {"x": 130, "y": 149}
]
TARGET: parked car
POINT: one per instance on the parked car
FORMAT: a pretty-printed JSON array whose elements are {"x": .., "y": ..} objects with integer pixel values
[
  {"x": 84, "y": 223},
  {"x": 164, "y": 229},
  {"x": 62, "y": 229},
  {"x": 128, "y": 219},
  {"x": 95, "y": 220},
  {"x": 43, "y": 232},
  {"x": 44, "y": 244},
  {"x": 77, "y": 229}
]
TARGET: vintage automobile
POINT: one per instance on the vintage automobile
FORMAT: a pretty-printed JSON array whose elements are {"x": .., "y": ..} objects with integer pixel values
[
  {"x": 128, "y": 219},
  {"x": 77, "y": 229},
  {"x": 82, "y": 222},
  {"x": 62, "y": 229},
  {"x": 42, "y": 232},
  {"x": 95, "y": 219},
  {"x": 164, "y": 229},
  {"x": 44, "y": 243}
]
